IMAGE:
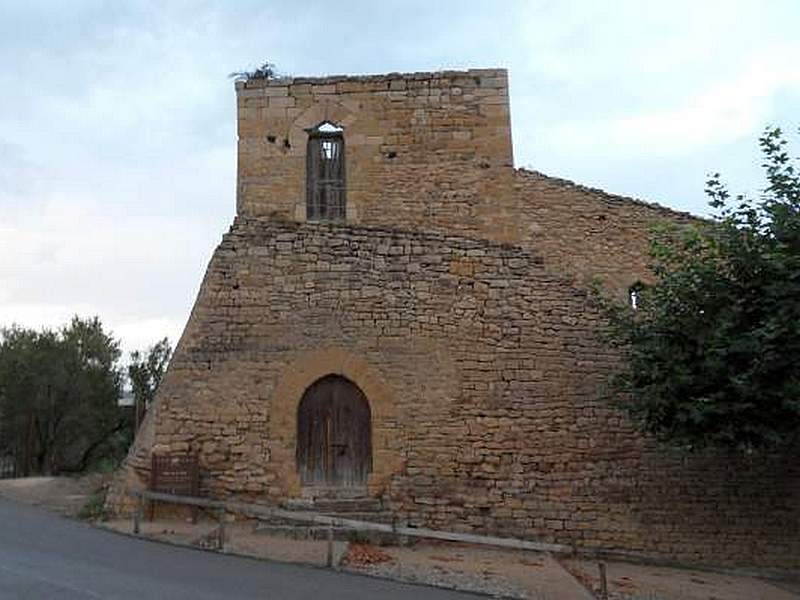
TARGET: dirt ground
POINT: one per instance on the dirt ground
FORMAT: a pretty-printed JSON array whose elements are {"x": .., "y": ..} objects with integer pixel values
[
  {"x": 646, "y": 582},
  {"x": 64, "y": 495},
  {"x": 494, "y": 572}
]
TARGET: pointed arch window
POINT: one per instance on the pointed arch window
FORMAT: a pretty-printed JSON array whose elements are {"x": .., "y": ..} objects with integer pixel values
[{"x": 325, "y": 173}]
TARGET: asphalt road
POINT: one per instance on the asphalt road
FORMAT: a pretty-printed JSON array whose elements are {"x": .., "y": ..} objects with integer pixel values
[{"x": 45, "y": 556}]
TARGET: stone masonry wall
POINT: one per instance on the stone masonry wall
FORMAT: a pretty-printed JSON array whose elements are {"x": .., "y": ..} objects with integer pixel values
[
  {"x": 483, "y": 371},
  {"x": 586, "y": 233},
  {"x": 423, "y": 150}
]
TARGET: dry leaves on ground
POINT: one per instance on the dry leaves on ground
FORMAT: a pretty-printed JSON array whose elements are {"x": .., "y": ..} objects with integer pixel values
[{"x": 365, "y": 554}]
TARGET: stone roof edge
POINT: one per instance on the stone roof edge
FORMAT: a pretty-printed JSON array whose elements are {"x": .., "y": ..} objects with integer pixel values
[
  {"x": 567, "y": 183},
  {"x": 328, "y": 79}
]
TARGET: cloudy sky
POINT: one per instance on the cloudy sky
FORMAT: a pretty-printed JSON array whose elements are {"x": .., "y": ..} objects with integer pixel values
[{"x": 117, "y": 138}]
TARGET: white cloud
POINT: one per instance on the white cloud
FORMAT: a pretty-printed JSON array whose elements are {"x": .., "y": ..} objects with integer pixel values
[
  {"x": 138, "y": 273},
  {"x": 725, "y": 112}
]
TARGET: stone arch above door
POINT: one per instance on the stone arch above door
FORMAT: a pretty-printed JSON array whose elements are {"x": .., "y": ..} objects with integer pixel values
[{"x": 301, "y": 372}]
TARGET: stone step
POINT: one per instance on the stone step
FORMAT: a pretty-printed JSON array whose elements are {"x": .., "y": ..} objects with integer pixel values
[
  {"x": 336, "y": 505},
  {"x": 334, "y": 493},
  {"x": 302, "y": 532},
  {"x": 298, "y": 531},
  {"x": 369, "y": 516}
]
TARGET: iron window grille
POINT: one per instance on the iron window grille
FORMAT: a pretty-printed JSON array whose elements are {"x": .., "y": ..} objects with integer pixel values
[{"x": 325, "y": 174}]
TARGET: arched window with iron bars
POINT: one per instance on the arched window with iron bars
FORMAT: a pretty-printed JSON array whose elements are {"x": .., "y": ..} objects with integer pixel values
[{"x": 325, "y": 173}]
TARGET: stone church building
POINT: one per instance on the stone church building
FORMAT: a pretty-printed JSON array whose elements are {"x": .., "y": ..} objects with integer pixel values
[{"x": 399, "y": 314}]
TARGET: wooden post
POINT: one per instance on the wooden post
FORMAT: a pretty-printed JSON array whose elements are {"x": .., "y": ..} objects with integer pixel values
[
  {"x": 137, "y": 514},
  {"x": 603, "y": 581},
  {"x": 329, "y": 557},
  {"x": 221, "y": 529}
]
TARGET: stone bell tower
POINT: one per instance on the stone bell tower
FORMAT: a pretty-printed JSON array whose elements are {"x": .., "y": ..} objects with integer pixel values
[{"x": 425, "y": 151}]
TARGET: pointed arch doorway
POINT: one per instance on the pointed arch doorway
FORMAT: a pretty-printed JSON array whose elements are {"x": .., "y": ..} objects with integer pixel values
[{"x": 334, "y": 435}]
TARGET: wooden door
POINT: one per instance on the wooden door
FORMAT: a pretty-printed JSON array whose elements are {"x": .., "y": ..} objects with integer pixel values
[{"x": 334, "y": 434}]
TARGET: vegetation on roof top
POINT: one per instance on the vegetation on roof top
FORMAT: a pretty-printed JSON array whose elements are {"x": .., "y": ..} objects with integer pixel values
[{"x": 267, "y": 70}]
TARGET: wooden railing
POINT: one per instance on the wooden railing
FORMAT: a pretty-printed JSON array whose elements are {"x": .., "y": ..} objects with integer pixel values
[{"x": 259, "y": 511}]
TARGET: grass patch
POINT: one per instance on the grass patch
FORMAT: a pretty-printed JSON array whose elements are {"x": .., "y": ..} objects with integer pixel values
[{"x": 95, "y": 507}]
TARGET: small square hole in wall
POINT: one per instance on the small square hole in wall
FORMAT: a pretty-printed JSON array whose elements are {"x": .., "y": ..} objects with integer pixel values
[{"x": 271, "y": 139}]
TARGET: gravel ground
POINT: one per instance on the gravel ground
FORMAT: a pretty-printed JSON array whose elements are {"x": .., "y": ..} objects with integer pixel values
[
  {"x": 646, "y": 582},
  {"x": 490, "y": 585},
  {"x": 494, "y": 572},
  {"x": 64, "y": 495}
]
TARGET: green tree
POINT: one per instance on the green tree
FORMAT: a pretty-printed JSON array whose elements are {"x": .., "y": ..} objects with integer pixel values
[
  {"x": 59, "y": 395},
  {"x": 711, "y": 353},
  {"x": 145, "y": 372}
]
